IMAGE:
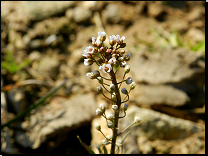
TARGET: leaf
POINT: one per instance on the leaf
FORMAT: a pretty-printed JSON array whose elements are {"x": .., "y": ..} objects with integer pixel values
[
  {"x": 105, "y": 150},
  {"x": 96, "y": 146},
  {"x": 85, "y": 146}
]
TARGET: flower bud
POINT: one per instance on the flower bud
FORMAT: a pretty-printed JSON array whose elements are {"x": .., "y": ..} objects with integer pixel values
[
  {"x": 108, "y": 137},
  {"x": 99, "y": 89},
  {"x": 96, "y": 73},
  {"x": 102, "y": 35},
  {"x": 88, "y": 62},
  {"x": 113, "y": 96},
  {"x": 132, "y": 85},
  {"x": 94, "y": 41},
  {"x": 99, "y": 112},
  {"x": 129, "y": 80},
  {"x": 124, "y": 91},
  {"x": 99, "y": 42},
  {"x": 114, "y": 107},
  {"x": 108, "y": 51},
  {"x": 137, "y": 119},
  {"x": 127, "y": 69},
  {"x": 125, "y": 106},
  {"x": 123, "y": 64},
  {"x": 90, "y": 75},
  {"x": 100, "y": 80},
  {"x": 110, "y": 116},
  {"x": 122, "y": 51},
  {"x": 127, "y": 56},
  {"x": 112, "y": 87},
  {"x": 102, "y": 107},
  {"x": 114, "y": 55},
  {"x": 105, "y": 142},
  {"x": 120, "y": 59},
  {"x": 97, "y": 126},
  {"x": 100, "y": 61},
  {"x": 101, "y": 50},
  {"x": 110, "y": 124},
  {"x": 122, "y": 45}
]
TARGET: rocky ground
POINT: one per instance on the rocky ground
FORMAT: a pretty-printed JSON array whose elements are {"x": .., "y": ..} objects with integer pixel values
[{"x": 42, "y": 43}]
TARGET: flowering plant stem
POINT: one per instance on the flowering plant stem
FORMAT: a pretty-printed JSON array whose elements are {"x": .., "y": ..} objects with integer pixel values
[
  {"x": 109, "y": 61},
  {"x": 116, "y": 117}
]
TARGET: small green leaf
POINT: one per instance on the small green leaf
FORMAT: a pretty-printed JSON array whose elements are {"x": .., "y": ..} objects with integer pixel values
[
  {"x": 96, "y": 146},
  {"x": 105, "y": 150},
  {"x": 85, "y": 146}
]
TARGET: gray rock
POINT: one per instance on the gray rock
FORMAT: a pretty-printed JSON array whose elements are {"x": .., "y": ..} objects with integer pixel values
[
  {"x": 44, "y": 9},
  {"x": 111, "y": 14},
  {"x": 81, "y": 14},
  {"x": 155, "y": 125},
  {"x": 159, "y": 94},
  {"x": 178, "y": 67},
  {"x": 55, "y": 120}
]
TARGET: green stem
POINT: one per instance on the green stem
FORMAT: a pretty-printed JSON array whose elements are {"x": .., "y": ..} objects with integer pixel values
[
  {"x": 122, "y": 80},
  {"x": 116, "y": 117},
  {"x": 38, "y": 103}
]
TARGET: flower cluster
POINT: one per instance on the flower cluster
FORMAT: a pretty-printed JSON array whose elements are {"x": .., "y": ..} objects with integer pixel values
[
  {"x": 109, "y": 60},
  {"x": 107, "y": 57}
]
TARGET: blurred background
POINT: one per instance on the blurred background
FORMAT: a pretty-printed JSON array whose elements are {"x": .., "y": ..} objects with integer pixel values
[{"x": 42, "y": 44}]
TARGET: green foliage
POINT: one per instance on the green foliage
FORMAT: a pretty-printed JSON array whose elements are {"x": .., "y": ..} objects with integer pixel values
[
  {"x": 85, "y": 146},
  {"x": 10, "y": 65},
  {"x": 175, "y": 40}
]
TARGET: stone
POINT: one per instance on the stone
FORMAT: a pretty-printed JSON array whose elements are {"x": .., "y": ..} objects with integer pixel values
[
  {"x": 159, "y": 94},
  {"x": 43, "y": 9},
  {"x": 111, "y": 14},
  {"x": 156, "y": 125},
  {"x": 58, "y": 118},
  {"x": 177, "y": 67},
  {"x": 81, "y": 15}
]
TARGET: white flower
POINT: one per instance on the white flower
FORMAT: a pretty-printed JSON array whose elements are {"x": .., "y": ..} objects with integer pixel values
[
  {"x": 94, "y": 41},
  {"x": 117, "y": 38},
  {"x": 112, "y": 87},
  {"x": 108, "y": 137},
  {"x": 84, "y": 53},
  {"x": 112, "y": 61},
  {"x": 102, "y": 107},
  {"x": 122, "y": 38},
  {"x": 114, "y": 107},
  {"x": 88, "y": 62},
  {"x": 113, "y": 96},
  {"x": 102, "y": 35},
  {"x": 98, "y": 41},
  {"x": 112, "y": 40},
  {"x": 99, "y": 112},
  {"x": 137, "y": 119},
  {"x": 123, "y": 64},
  {"x": 97, "y": 126},
  {"x": 110, "y": 116},
  {"x": 90, "y": 75},
  {"x": 132, "y": 85},
  {"x": 106, "y": 68},
  {"x": 121, "y": 59},
  {"x": 127, "y": 69},
  {"x": 90, "y": 49},
  {"x": 99, "y": 89}
]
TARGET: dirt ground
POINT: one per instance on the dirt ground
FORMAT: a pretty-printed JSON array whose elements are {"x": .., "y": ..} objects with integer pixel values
[{"x": 44, "y": 43}]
